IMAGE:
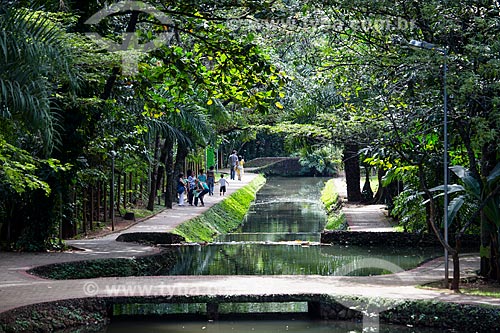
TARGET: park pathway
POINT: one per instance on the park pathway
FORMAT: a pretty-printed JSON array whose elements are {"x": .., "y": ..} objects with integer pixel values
[
  {"x": 14, "y": 265},
  {"x": 18, "y": 288},
  {"x": 363, "y": 217},
  {"x": 164, "y": 221}
]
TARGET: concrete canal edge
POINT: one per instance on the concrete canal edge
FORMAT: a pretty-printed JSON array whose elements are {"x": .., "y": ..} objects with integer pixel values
[
  {"x": 73, "y": 313},
  {"x": 218, "y": 219},
  {"x": 223, "y": 217}
]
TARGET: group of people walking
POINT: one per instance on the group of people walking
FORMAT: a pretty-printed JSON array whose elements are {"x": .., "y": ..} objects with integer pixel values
[
  {"x": 196, "y": 187},
  {"x": 236, "y": 161}
]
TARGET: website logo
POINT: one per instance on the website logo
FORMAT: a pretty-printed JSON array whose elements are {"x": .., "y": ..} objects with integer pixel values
[{"x": 130, "y": 48}]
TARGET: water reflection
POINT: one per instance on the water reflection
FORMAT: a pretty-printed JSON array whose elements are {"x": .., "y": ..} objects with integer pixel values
[
  {"x": 299, "y": 259},
  {"x": 286, "y": 210},
  {"x": 243, "y": 326},
  {"x": 285, "y": 207}
]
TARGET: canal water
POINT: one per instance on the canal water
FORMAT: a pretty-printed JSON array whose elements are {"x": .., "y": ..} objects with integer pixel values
[
  {"x": 280, "y": 236},
  {"x": 285, "y": 209},
  {"x": 256, "y": 326}
]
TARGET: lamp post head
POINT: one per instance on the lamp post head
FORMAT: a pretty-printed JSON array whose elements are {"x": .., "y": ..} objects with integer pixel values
[{"x": 425, "y": 45}]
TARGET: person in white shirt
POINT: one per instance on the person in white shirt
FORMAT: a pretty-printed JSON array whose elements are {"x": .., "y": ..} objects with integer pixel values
[{"x": 223, "y": 183}]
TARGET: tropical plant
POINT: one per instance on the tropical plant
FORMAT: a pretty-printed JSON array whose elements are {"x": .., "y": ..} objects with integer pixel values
[
  {"x": 325, "y": 160},
  {"x": 35, "y": 77},
  {"x": 34, "y": 63}
]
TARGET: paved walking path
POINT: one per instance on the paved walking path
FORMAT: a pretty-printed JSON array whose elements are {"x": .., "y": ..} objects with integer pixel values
[
  {"x": 17, "y": 288},
  {"x": 165, "y": 221},
  {"x": 363, "y": 217},
  {"x": 13, "y": 265}
]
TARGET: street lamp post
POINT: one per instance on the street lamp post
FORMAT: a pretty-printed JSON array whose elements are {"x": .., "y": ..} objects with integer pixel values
[
  {"x": 112, "y": 189},
  {"x": 443, "y": 51}
]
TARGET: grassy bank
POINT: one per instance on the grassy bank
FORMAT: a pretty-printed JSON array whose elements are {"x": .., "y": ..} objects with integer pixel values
[
  {"x": 330, "y": 198},
  {"x": 222, "y": 217}
]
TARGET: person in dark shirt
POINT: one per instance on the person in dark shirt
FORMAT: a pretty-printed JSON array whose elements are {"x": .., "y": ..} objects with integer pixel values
[{"x": 211, "y": 180}]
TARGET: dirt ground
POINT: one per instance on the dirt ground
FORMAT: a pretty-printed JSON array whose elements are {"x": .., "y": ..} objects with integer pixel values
[
  {"x": 472, "y": 286},
  {"x": 106, "y": 229}
]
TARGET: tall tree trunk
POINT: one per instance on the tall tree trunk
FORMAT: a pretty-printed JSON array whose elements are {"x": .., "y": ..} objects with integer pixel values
[
  {"x": 352, "y": 172},
  {"x": 379, "y": 197},
  {"x": 141, "y": 191},
  {"x": 118, "y": 193},
  {"x": 110, "y": 82},
  {"x": 75, "y": 213},
  {"x": 455, "y": 283},
  {"x": 130, "y": 187},
  {"x": 489, "y": 261},
  {"x": 98, "y": 209},
  {"x": 125, "y": 190},
  {"x": 154, "y": 175},
  {"x": 180, "y": 158},
  {"x": 367, "y": 193},
  {"x": 169, "y": 174},
  {"x": 486, "y": 250},
  {"x": 111, "y": 199},
  {"x": 104, "y": 202},
  {"x": 68, "y": 218},
  {"x": 495, "y": 257},
  {"x": 161, "y": 166},
  {"x": 92, "y": 210},
  {"x": 84, "y": 212},
  {"x": 427, "y": 215}
]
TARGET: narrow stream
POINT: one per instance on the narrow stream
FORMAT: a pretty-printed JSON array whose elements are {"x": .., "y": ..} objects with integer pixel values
[
  {"x": 285, "y": 209},
  {"x": 281, "y": 234}
]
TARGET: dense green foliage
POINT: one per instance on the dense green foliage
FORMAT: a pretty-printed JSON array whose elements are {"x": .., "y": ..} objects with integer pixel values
[
  {"x": 443, "y": 315},
  {"x": 327, "y": 81},
  {"x": 222, "y": 217},
  {"x": 75, "y": 315},
  {"x": 360, "y": 86},
  {"x": 82, "y": 140}
]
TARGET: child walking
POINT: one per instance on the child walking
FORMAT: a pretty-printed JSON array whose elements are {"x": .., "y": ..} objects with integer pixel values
[{"x": 223, "y": 182}]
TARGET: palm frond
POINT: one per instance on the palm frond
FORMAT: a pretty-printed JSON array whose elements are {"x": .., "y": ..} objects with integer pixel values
[
  {"x": 33, "y": 60},
  {"x": 168, "y": 131}
]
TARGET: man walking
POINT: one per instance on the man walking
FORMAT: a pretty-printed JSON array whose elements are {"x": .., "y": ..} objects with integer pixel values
[{"x": 233, "y": 162}]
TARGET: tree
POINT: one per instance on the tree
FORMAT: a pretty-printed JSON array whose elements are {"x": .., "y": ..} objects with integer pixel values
[
  {"x": 104, "y": 128},
  {"x": 35, "y": 64},
  {"x": 407, "y": 84}
]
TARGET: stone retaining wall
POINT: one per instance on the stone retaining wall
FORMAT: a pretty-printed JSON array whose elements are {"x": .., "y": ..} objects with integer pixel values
[
  {"x": 289, "y": 167},
  {"x": 47, "y": 317},
  {"x": 150, "y": 238},
  {"x": 146, "y": 265},
  {"x": 396, "y": 239},
  {"x": 263, "y": 161}
]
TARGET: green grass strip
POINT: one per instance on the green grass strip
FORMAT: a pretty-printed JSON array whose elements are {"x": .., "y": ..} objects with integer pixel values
[
  {"x": 222, "y": 217},
  {"x": 330, "y": 198}
]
